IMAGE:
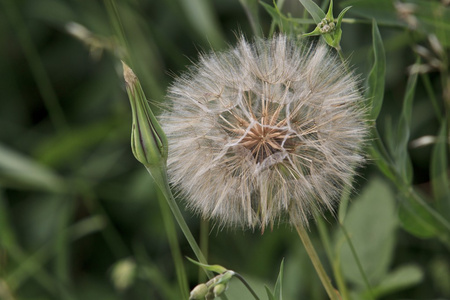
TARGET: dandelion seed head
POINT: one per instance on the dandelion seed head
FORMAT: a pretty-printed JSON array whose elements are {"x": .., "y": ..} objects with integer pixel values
[{"x": 267, "y": 131}]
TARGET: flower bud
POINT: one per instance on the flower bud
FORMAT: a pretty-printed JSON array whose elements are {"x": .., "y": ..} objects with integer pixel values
[
  {"x": 199, "y": 292},
  {"x": 123, "y": 273},
  {"x": 219, "y": 289},
  {"x": 148, "y": 140}
]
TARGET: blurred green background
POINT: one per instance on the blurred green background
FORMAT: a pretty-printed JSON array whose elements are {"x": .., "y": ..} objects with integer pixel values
[{"x": 79, "y": 217}]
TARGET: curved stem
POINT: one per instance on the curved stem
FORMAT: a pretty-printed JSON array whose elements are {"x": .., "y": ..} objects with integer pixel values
[
  {"x": 333, "y": 294},
  {"x": 242, "y": 279}
]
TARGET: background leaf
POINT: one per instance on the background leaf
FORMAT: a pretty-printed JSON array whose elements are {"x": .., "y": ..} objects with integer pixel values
[
  {"x": 376, "y": 78},
  {"x": 371, "y": 223},
  {"x": 314, "y": 10},
  {"x": 19, "y": 171}
]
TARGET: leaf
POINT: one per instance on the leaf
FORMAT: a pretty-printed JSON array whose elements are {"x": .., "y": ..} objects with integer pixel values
[
  {"x": 314, "y": 10},
  {"x": 58, "y": 150},
  {"x": 278, "y": 290},
  {"x": 213, "y": 268},
  {"x": 19, "y": 171},
  {"x": 371, "y": 223},
  {"x": 251, "y": 9},
  {"x": 438, "y": 172},
  {"x": 270, "y": 296},
  {"x": 376, "y": 78},
  {"x": 275, "y": 14},
  {"x": 403, "y": 163},
  {"x": 399, "y": 279},
  {"x": 416, "y": 219}
]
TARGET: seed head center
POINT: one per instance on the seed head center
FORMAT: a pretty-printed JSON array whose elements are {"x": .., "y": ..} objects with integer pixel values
[{"x": 263, "y": 141}]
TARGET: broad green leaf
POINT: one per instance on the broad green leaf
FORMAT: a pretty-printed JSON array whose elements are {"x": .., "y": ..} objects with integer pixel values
[
  {"x": 278, "y": 290},
  {"x": 314, "y": 10},
  {"x": 371, "y": 223},
  {"x": 376, "y": 78},
  {"x": 438, "y": 172},
  {"x": 19, "y": 171},
  {"x": 399, "y": 279}
]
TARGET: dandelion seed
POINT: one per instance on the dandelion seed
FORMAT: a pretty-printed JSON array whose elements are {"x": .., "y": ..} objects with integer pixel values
[{"x": 264, "y": 132}]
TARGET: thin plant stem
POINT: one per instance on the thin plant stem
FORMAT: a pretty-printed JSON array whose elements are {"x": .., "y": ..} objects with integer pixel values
[
  {"x": 160, "y": 177},
  {"x": 174, "y": 245},
  {"x": 204, "y": 244},
  {"x": 242, "y": 279},
  {"x": 331, "y": 291},
  {"x": 358, "y": 262},
  {"x": 332, "y": 257}
]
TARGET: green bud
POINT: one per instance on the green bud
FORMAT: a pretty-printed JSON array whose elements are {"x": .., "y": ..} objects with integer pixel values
[
  {"x": 330, "y": 27},
  {"x": 219, "y": 289},
  {"x": 148, "y": 141},
  {"x": 123, "y": 273},
  {"x": 199, "y": 292}
]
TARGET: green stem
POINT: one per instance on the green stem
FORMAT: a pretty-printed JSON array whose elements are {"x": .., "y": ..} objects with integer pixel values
[
  {"x": 242, "y": 279},
  {"x": 160, "y": 177},
  {"x": 333, "y": 294},
  {"x": 204, "y": 239},
  {"x": 174, "y": 246},
  {"x": 358, "y": 262},
  {"x": 332, "y": 257}
]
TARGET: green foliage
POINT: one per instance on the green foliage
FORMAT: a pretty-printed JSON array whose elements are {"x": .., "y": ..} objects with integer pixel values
[
  {"x": 80, "y": 218},
  {"x": 376, "y": 78}
]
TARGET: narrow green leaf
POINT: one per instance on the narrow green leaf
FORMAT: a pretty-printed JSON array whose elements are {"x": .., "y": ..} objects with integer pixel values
[
  {"x": 401, "y": 156},
  {"x": 19, "y": 171},
  {"x": 213, "y": 268},
  {"x": 270, "y": 296},
  {"x": 438, "y": 172},
  {"x": 203, "y": 19},
  {"x": 278, "y": 290},
  {"x": 274, "y": 13},
  {"x": 314, "y": 10},
  {"x": 329, "y": 14},
  {"x": 376, "y": 78},
  {"x": 251, "y": 9}
]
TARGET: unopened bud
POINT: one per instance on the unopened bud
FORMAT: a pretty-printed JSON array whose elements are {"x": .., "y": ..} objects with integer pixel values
[
  {"x": 123, "y": 273},
  {"x": 148, "y": 141},
  {"x": 219, "y": 289},
  {"x": 199, "y": 292}
]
